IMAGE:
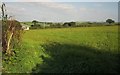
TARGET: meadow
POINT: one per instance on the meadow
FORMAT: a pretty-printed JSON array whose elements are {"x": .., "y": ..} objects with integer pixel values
[{"x": 67, "y": 50}]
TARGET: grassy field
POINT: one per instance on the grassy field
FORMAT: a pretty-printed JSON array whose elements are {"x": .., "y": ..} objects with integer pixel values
[{"x": 67, "y": 50}]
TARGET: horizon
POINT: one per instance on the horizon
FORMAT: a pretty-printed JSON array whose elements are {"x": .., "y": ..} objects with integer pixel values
[
  {"x": 70, "y": 21},
  {"x": 63, "y": 11}
]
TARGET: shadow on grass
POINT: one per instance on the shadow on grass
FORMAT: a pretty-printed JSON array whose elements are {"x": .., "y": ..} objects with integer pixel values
[{"x": 66, "y": 58}]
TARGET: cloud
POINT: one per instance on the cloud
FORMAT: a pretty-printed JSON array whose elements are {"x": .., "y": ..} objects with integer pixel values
[
  {"x": 13, "y": 9},
  {"x": 58, "y": 5},
  {"x": 98, "y": 5},
  {"x": 60, "y": 0},
  {"x": 57, "y": 11},
  {"x": 27, "y": 11},
  {"x": 26, "y": 0},
  {"x": 95, "y": 14},
  {"x": 83, "y": 9},
  {"x": 35, "y": 0}
]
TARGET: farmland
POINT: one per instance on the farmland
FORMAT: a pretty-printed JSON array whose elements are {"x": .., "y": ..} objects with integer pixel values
[
  {"x": 59, "y": 37},
  {"x": 67, "y": 50}
]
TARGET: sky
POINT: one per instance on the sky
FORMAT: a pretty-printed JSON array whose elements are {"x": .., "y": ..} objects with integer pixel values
[
  {"x": 59, "y": 0},
  {"x": 62, "y": 10}
]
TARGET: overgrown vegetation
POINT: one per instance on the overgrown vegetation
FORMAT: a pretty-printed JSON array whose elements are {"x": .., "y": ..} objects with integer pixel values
[
  {"x": 11, "y": 32},
  {"x": 11, "y": 37}
]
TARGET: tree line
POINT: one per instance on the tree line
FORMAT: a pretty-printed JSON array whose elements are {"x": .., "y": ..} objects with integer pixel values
[{"x": 41, "y": 25}]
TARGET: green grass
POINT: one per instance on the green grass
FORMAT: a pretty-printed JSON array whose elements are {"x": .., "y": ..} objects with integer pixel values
[
  {"x": 97, "y": 37},
  {"x": 68, "y": 50}
]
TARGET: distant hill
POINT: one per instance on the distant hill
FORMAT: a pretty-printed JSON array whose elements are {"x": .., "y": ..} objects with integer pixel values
[{"x": 27, "y": 23}]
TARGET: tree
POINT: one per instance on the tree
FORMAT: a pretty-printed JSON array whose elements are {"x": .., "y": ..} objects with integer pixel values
[
  {"x": 34, "y": 22},
  {"x": 73, "y": 23},
  {"x": 110, "y": 21},
  {"x": 66, "y": 24},
  {"x": 69, "y": 24}
]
